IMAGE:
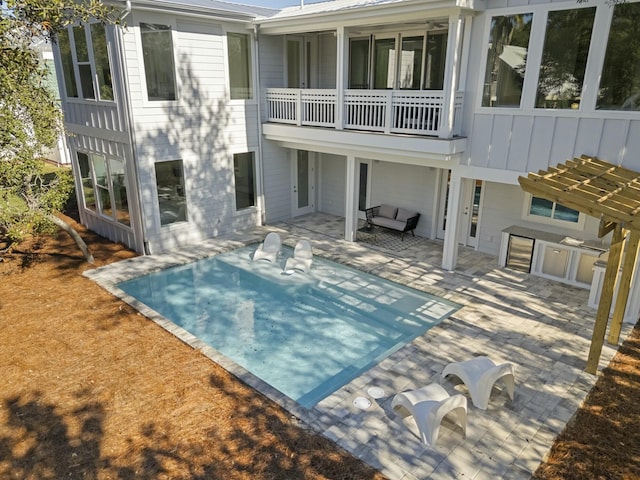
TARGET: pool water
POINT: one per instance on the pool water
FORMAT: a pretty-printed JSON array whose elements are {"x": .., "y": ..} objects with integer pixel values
[{"x": 306, "y": 335}]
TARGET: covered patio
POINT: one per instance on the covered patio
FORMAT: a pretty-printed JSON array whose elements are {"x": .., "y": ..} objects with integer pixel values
[{"x": 542, "y": 326}]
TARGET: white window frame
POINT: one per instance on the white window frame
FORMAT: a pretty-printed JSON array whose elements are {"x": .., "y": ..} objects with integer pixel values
[
  {"x": 526, "y": 215},
  {"x": 257, "y": 192},
  {"x": 92, "y": 62},
  {"x": 254, "y": 76},
  {"x": 169, "y": 22}
]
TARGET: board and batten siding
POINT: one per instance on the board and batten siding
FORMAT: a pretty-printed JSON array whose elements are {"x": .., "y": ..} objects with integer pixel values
[
  {"x": 276, "y": 182},
  {"x": 528, "y": 143},
  {"x": 203, "y": 128}
]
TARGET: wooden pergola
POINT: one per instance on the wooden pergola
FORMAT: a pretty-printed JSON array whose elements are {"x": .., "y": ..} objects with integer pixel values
[{"x": 612, "y": 194}]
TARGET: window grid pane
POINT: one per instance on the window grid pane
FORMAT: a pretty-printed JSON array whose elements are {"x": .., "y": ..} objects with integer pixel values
[
  {"x": 564, "y": 58},
  {"x": 159, "y": 69},
  {"x": 620, "y": 80},
  {"x": 508, "y": 45},
  {"x": 119, "y": 186},
  {"x": 244, "y": 173},
  {"x": 101, "y": 57},
  {"x": 239, "y": 52},
  {"x": 172, "y": 201},
  {"x": 67, "y": 64},
  {"x": 88, "y": 193}
]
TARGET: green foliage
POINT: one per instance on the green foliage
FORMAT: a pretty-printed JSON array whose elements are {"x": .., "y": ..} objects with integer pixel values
[{"x": 30, "y": 117}]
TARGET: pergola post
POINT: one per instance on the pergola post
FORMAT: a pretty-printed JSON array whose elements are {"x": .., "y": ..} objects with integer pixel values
[
  {"x": 623, "y": 290},
  {"x": 606, "y": 299}
]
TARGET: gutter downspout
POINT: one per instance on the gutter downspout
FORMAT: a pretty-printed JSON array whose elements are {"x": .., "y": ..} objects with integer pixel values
[
  {"x": 128, "y": 120},
  {"x": 259, "y": 106}
]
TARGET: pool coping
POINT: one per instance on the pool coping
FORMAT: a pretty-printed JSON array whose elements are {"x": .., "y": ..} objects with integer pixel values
[{"x": 377, "y": 435}]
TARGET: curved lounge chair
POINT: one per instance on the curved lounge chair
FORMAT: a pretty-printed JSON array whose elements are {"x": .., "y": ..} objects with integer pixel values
[
  {"x": 479, "y": 375},
  {"x": 269, "y": 249},
  {"x": 429, "y": 405},
  {"x": 302, "y": 257}
]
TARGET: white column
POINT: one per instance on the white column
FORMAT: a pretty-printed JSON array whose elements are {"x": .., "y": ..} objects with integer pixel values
[
  {"x": 351, "y": 200},
  {"x": 450, "y": 247},
  {"x": 342, "y": 57},
  {"x": 454, "y": 42}
]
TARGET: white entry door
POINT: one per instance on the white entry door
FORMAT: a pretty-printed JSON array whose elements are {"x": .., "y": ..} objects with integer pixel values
[
  {"x": 303, "y": 182},
  {"x": 470, "y": 214}
]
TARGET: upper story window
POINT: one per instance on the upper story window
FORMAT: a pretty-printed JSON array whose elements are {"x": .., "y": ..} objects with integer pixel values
[
  {"x": 506, "y": 60},
  {"x": 564, "y": 58},
  {"x": 411, "y": 61},
  {"x": 244, "y": 172},
  {"x": 239, "y": 58},
  {"x": 620, "y": 79},
  {"x": 159, "y": 67},
  {"x": 85, "y": 62}
]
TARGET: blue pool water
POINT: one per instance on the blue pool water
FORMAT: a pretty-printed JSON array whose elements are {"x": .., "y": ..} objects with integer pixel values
[{"x": 306, "y": 335}]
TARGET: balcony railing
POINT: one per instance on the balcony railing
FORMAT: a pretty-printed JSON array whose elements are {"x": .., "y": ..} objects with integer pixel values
[{"x": 388, "y": 111}]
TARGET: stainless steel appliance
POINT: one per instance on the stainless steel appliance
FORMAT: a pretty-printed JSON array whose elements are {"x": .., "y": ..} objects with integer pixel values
[{"x": 520, "y": 253}]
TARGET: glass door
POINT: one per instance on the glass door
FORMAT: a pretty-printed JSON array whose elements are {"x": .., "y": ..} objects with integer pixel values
[
  {"x": 303, "y": 183},
  {"x": 295, "y": 63},
  {"x": 364, "y": 187},
  {"x": 359, "y": 63},
  {"x": 384, "y": 63}
]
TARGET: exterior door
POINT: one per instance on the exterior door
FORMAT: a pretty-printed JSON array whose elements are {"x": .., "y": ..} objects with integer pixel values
[
  {"x": 364, "y": 187},
  {"x": 470, "y": 215},
  {"x": 296, "y": 77},
  {"x": 303, "y": 180}
]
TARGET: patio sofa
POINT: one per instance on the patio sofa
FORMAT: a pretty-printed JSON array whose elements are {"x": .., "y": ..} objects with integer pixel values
[{"x": 393, "y": 218}]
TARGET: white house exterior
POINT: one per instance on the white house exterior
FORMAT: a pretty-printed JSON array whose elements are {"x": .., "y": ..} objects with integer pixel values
[{"x": 201, "y": 117}]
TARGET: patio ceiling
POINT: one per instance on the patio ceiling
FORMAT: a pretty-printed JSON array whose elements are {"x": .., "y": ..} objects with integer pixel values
[
  {"x": 611, "y": 193},
  {"x": 591, "y": 186}
]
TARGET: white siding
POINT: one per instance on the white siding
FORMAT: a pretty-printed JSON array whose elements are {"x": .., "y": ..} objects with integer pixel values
[
  {"x": 203, "y": 128},
  {"x": 503, "y": 207},
  {"x": 405, "y": 186},
  {"x": 277, "y": 182},
  {"x": 333, "y": 184}
]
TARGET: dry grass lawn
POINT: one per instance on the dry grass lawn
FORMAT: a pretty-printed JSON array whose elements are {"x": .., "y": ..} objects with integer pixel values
[{"x": 92, "y": 389}]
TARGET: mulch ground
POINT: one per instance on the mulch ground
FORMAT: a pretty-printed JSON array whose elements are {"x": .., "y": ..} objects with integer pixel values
[{"x": 89, "y": 388}]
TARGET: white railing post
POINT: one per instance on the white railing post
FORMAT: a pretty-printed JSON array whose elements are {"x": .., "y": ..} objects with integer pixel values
[
  {"x": 298, "y": 107},
  {"x": 388, "y": 118},
  {"x": 342, "y": 56}
]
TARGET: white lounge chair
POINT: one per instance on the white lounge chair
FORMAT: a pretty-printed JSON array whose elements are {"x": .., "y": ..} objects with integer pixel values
[
  {"x": 269, "y": 249},
  {"x": 428, "y": 406},
  {"x": 479, "y": 375},
  {"x": 302, "y": 257}
]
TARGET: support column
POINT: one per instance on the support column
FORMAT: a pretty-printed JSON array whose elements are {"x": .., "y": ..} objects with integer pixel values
[
  {"x": 351, "y": 200},
  {"x": 450, "y": 247},
  {"x": 454, "y": 42},
  {"x": 342, "y": 80},
  {"x": 606, "y": 299},
  {"x": 628, "y": 267}
]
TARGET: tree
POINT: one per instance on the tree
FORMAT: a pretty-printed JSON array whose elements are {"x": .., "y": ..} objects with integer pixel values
[{"x": 30, "y": 117}]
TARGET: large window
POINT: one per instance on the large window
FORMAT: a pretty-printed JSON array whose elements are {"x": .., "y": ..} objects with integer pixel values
[
  {"x": 359, "y": 63},
  {"x": 542, "y": 210},
  {"x": 411, "y": 63},
  {"x": 564, "y": 58},
  {"x": 172, "y": 200},
  {"x": 384, "y": 63},
  {"x": 104, "y": 186},
  {"x": 620, "y": 80},
  {"x": 435, "y": 60},
  {"x": 244, "y": 175},
  {"x": 84, "y": 55},
  {"x": 506, "y": 60},
  {"x": 239, "y": 52},
  {"x": 159, "y": 68}
]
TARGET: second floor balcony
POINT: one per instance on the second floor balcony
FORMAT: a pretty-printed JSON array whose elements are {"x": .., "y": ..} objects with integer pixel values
[{"x": 414, "y": 112}]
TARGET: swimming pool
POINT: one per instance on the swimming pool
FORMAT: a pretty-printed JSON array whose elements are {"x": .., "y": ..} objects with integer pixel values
[{"x": 306, "y": 335}]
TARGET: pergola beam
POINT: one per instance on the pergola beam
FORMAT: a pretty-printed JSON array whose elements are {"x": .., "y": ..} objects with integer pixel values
[{"x": 612, "y": 194}]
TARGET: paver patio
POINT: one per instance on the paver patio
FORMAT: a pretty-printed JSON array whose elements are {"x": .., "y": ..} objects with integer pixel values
[{"x": 544, "y": 327}]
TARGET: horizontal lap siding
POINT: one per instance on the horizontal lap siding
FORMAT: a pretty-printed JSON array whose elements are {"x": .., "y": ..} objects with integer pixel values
[
  {"x": 203, "y": 128},
  {"x": 277, "y": 182}
]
